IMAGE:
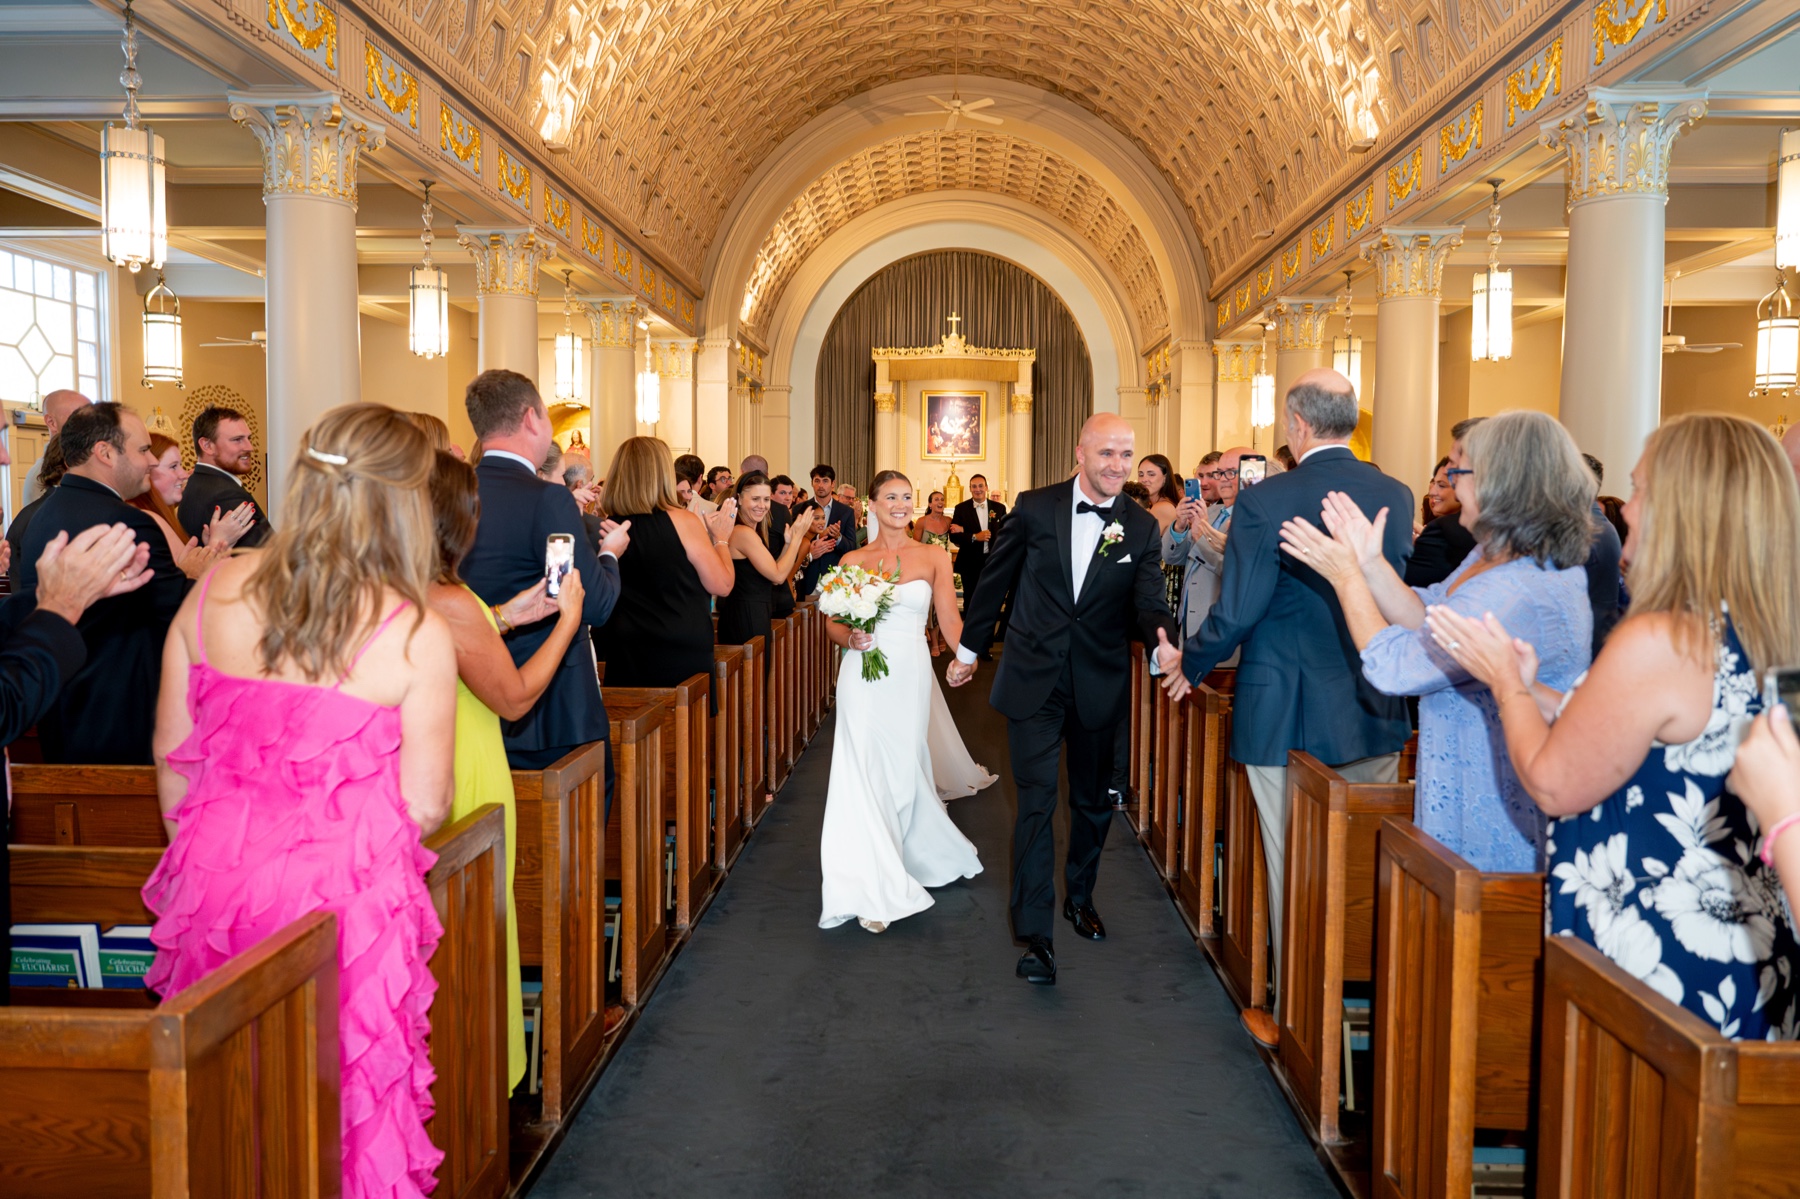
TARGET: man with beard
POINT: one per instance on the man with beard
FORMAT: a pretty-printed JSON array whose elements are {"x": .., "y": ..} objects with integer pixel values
[{"x": 223, "y": 453}]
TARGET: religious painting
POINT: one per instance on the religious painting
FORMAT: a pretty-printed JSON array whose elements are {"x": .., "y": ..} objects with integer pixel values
[{"x": 955, "y": 424}]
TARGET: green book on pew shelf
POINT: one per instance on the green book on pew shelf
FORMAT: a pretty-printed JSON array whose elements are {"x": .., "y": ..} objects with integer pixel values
[
  {"x": 125, "y": 956},
  {"x": 55, "y": 955}
]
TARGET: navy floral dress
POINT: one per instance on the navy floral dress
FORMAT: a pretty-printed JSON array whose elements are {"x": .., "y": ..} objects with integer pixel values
[{"x": 1662, "y": 877}]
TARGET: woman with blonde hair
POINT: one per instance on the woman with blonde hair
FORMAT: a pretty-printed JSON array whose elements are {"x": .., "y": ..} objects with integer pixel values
[
  {"x": 660, "y": 632},
  {"x": 304, "y": 747},
  {"x": 1651, "y": 858}
]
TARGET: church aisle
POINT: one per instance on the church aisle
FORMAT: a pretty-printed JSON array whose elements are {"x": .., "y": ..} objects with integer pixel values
[{"x": 779, "y": 1060}]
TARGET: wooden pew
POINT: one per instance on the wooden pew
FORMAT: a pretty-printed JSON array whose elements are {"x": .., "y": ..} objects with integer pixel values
[
  {"x": 1243, "y": 943},
  {"x": 779, "y": 711},
  {"x": 1142, "y": 775},
  {"x": 1329, "y": 911},
  {"x": 86, "y": 805},
  {"x": 560, "y": 900},
  {"x": 468, "y": 1014},
  {"x": 1457, "y": 957},
  {"x": 686, "y": 785},
  {"x": 1203, "y": 787},
  {"x": 227, "y": 1089},
  {"x": 1160, "y": 805},
  {"x": 637, "y": 821},
  {"x": 812, "y": 707},
  {"x": 759, "y": 786},
  {"x": 1639, "y": 1096},
  {"x": 729, "y": 773}
]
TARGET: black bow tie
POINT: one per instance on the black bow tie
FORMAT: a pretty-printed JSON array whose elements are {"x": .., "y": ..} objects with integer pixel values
[{"x": 1082, "y": 506}]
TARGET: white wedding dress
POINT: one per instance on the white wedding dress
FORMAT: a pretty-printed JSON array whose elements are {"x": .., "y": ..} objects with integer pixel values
[{"x": 887, "y": 835}]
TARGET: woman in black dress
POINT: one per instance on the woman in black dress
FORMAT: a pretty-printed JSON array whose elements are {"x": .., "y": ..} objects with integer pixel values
[
  {"x": 660, "y": 631},
  {"x": 745, "y": 613}
]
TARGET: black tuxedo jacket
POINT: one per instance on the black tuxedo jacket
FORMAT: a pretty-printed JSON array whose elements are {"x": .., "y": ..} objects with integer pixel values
[
  {"x": 1438, "y": 550},
  {"x": 1122, "y": 599},
  {"x": 210, "y": 488},
  {"x": 107, "y": 709},
  {"x": 1300, "y": 683},
  {"x": 970, "y": 556},
  {"x": 844, "y": 517},
  {"x": 519, "y": 511}
]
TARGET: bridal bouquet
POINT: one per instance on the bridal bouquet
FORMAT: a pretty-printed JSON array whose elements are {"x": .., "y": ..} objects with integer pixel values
[{"x": 859, "y": 599}]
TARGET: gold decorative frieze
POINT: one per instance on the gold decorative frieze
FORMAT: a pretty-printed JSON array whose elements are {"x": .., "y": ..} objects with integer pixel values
[
  {"x": 593, "y": 237},
  {"x": 1620, "y": 144},
  {"x": 622, "y": 261},
  {"x": 1409, "y": 260},
  {"x": 393, "y": 85},
  {"x": 1403, "y": 177},
  {"x": 508, "y": 259},
  {"x": 613, "y": 324},
  {"x": 556, "y": 211},
  {"x": 1527, "y": 87},
  {"x": 1236, "y": 360},
  {"x": 1322, "y": 235},
  {"x": 1618, "y": 22},
  {"x": 1358, "y": 209},
  {"x": 310, "y": 145},
  {"x": 687, "y": 312},
  {"x": 315, "y": 33},
  {"x": 1243, "y": 298},
  {"x": 1459, "y": 138},
  {"x": 515, "y": 179},
  {"x": 460, "y": 138},
  {"x": 1223, "y": 314},
  {"x": 647, "y": 279},
  {"x": 1290, "y": 262},
  {"x": 1265, "y": 282},
  {"x": 669, "y": 295}
]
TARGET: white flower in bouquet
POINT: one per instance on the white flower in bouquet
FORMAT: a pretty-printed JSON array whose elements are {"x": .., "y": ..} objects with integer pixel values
[{"x": 858, "y": 599}]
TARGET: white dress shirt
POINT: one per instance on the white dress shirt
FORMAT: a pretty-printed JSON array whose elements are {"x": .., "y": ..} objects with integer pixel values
[{"x": 1084, "y": 534}]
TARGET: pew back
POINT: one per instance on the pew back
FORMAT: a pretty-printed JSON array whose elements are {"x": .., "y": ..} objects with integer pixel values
[
  {"x": 759, "y": 783},
  {"x": 686, "y": 783},
  {"x": 729, "y": 799},
  {"x": 86, "y": 805},
  {"x": 637, "y": 736},
  {"x": 1203, "y": 785}
]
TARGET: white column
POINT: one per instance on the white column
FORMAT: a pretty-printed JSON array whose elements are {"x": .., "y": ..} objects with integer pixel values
[
  {"x": 1018, "y": 439},
  {"x": 508, "y": 259},
  {"x": 1618, "y": 187},
  {"x": 1191, "y": 385},
  {"x": 1409, "y": 278},
  {"x": 1301, "y": 345},
  {"x": 713, "y": 376},
  {"x": 773, "y": 429},
  {"x": 310, "y": 148},
  {"x": 614, "y": 412},
  {"x": 1236, "y": 367},
  {"x": 887, "y": 429},
  {"x": 675, "y": 368}
]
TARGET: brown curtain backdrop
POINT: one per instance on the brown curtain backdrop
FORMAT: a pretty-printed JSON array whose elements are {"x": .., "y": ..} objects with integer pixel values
[{"x": 906, "y": 304}]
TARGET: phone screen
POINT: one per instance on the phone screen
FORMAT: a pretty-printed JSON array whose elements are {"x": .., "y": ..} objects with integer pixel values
[
  {"x": 1193, "y": 489},
  {"x": 559, "y": 560},
  {"x": 1252, "y": 469},
  {"x": 1783, "y": 687}
]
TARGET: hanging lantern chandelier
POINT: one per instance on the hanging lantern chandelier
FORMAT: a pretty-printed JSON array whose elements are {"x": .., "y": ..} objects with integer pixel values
[
  {"x": 134, "y": 218},
  {"x": 1787, "y": 201},
  {"x": 1346, "y": 351},
  {"x": 429, "y": 293},
  {"x": 1262, "y": 391},
  {"x": 570, "y": 351},
  {"x": 1491, "y": 324},
  {"x": 162, "y": 335},
  {"x": 1777, "y": 341},
  {"x": 649, "y": 388}
]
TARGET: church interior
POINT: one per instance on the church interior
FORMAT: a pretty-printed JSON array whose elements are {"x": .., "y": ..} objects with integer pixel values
[{"x": 935, "y": 236}]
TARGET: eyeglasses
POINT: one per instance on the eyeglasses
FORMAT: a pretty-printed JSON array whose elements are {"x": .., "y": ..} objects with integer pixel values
[
  {"x": 1453, "y": 473},
  {"x": 1218, "y": 474}
]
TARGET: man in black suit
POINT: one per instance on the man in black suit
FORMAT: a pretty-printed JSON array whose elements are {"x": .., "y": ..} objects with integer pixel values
[
  {"x": 223, "y": 454},
  {"x": 519, "y": 511},
  {"x": 824, "y": 480},
  {"x": 1300, "y": 683},
  {"x": 107, "y": 709},
  {"x": 979, "y": 519},
  {"x": 1083, "y": 570}
]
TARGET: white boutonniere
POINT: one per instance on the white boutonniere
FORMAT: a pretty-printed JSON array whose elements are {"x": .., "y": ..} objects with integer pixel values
[{"x": 1111, "y": 536}]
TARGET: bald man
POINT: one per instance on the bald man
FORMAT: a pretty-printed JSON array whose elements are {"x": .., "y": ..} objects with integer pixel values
[
  {"x": 57, "y": 407},
  {"x": 1083, "y": 569}
]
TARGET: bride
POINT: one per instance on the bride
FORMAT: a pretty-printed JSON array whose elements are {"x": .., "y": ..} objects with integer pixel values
[{"x": 887, "y": 836}]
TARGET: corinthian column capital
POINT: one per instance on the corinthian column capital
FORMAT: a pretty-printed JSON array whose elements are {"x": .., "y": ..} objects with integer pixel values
[
  {"x": 1300, "y": 321},
  {"x": 309, "y": 143},
  {"x": 507, "y": 258},
  {"x": 1409, "y": 259},
  {"x": 1237, "y": 360},
  {"x": 1619, "y": 145},
  {"x": 614, "y": 324}
]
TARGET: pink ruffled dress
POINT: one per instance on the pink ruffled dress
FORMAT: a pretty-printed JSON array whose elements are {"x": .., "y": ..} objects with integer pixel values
[{"x": 294, "y": 806}]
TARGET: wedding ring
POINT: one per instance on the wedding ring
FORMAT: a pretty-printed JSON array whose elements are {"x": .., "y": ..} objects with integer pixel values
[{"x": 1454, "y": 646}]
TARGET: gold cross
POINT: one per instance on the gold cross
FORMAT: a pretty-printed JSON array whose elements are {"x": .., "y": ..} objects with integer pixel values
[{"x": 954, "y": 321}]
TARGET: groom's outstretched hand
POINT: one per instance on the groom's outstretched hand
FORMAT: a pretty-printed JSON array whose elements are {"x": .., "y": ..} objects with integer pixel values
[
  {"x": 1168, "y": 661},
  {"x": 958, "y": 673}
]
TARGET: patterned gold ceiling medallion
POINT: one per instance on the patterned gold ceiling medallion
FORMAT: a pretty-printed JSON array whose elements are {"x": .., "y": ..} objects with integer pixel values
[
  {"x": 593, "y": 238},
  {"x": 515, "y": 180},
  {"x": 556, "y": 211},
  {"x": 1616, "y": 22},
  {"x": 1321, "y": 239},
  {"x": 1223, "y": 314},
  {"x": 1243, "y": 298},
  {"x": 321, "y": 35},
  {"x": 1290, "y": 262},
  {"x": 459, "y": 138},
  {"x": 1358, "y": 209},
  {"x": 393, "y": 85},
  {"x": 621, "y": 261},
  {"x": 1459, "y": 137},
  {"x": 1265, "y": 282},
  {"x": 1403, "y": 177},
  {"x": 1527, "y": 86}
]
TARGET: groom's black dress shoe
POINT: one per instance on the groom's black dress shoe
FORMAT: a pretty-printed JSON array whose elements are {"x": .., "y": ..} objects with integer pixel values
[
  {"x": 1039, "y": 963},
  {"x": 1085, "y": 919}
]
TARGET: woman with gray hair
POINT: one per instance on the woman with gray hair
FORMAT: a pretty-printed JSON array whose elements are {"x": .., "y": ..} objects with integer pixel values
[{"x": 1527, "y": 497}]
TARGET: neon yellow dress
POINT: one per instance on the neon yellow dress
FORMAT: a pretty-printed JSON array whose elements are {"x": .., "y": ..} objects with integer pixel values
[{"x": 483, "y": 777}]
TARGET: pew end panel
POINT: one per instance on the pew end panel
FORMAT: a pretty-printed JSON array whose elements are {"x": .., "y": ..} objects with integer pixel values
[
  {"x": 759, "y": 784},
  {"x": 729, "y": 798},
  {"x": 687, "y": 773},
  {"x": 637, "y": 735},
  {"x": 1202, "y": 799}
]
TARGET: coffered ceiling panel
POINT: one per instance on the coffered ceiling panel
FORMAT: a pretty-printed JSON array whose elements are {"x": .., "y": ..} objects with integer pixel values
[
  {"x": 1248, "y": 107},
  {"x": 963, "y": 160}
]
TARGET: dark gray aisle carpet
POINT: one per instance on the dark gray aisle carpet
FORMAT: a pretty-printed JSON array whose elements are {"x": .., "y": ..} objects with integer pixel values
[{"x": 779, "y": 1060}]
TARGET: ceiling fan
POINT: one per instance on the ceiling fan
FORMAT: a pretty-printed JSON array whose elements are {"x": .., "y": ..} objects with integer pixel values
[
  {"x": 1676, "y": 343},
  {"x": 956, "y": 108},
  {"x": 259, "y": 339}
]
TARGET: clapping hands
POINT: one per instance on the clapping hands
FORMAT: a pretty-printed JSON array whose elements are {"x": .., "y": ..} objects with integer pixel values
[{"x": 224, "y": 529}]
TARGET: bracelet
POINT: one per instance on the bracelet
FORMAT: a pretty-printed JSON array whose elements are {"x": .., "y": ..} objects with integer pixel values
[
  {"x": 1780, "y": 826},
  {"x": 500, "y": 619}
]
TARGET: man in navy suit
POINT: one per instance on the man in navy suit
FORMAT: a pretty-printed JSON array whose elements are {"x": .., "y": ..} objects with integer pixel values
[
  {"x": 824, "y": 479},
  {"x": 1300, "y": 683},
  {"x": 519, "y": 511}
]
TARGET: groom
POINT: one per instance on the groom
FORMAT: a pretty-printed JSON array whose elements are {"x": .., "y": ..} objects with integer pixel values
[{"x": 1083, "y": 569}]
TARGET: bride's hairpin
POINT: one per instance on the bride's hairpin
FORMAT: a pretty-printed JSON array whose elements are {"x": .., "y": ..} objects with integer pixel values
[{"x": 322, "y": 456}]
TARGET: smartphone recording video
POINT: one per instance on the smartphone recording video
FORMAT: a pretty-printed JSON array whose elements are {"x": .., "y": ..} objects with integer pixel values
[
  {"x": 1783, "y": 687},
  {"x": 1192, "y": 487},
  {"x": 559, "y": 560},
  {"x": 1252, "y": 469}
]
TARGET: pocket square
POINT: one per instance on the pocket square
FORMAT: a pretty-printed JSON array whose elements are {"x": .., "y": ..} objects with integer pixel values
[{"x": 1125, "y": 559}]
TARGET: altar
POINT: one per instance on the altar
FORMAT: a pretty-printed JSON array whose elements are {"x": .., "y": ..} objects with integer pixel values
[{"x": 946, "y": 412}]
